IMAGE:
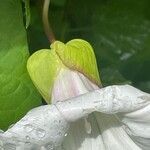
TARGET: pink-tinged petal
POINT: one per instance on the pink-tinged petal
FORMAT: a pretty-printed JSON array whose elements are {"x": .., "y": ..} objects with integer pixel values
[
  {"x": 99, "y": 131},
  {"x": 69, "y": 84}
]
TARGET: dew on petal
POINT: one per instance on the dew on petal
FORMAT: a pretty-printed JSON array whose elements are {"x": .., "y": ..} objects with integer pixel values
[
  {"x": 43, "y": 148},
  {"x": 27, "y": 138},
  {"x": 40, "y": 133},
  {"x": 50, "y": 146},
  {"x": 28, "y": 128},
  {"x": 66, "y": 134}
]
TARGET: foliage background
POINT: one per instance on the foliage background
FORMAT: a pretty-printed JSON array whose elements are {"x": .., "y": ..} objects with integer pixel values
[
  {"x": 17, "y": 93},
  {"x": 119, "y": 32}
]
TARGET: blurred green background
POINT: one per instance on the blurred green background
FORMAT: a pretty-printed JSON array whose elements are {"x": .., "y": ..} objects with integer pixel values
[{"x": 118, "y": 30}]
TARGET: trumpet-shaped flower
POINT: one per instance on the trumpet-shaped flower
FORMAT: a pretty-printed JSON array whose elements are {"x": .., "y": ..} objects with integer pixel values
[{"x": 69, "y": 70}]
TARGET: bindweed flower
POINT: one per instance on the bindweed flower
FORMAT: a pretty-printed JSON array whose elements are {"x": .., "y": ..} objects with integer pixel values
[
  {"x": 87, "y": 118},
  {"x": 66, "y": 71},
  {"x": 69, "y": 70}
]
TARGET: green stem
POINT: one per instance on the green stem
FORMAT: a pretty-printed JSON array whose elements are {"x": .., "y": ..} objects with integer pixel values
[{"x": 47, "y": 28}]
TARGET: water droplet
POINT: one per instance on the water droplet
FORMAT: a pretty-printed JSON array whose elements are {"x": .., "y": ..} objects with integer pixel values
[
  {"x": 40, "y": 133},
  {"x": 126, "y": 56},
  {"x": 88, "y": 127},
  {"x": 66, "y": 134},
  {"x": 27, "y": 138},
  {"x": 28, "y": 128},
  {"x": 50, "y": 146},
  {"x": 43, "y": 148},
  {"x": 9, "y": 146}
]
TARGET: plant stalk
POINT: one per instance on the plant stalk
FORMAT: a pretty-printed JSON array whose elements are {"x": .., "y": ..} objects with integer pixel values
[{"x": 47, "y": 28}]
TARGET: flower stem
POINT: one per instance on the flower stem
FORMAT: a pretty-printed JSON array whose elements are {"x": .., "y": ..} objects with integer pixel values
[{"x": 47, "y": 28}]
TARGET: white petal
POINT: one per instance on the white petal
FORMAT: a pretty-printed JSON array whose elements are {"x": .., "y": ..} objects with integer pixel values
[
  {"x": 106, "y": 131},
  {"x": 69, "y": 84}
]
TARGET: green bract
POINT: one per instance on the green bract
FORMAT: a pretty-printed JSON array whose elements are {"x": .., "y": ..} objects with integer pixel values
[{"x": 44, "y": 65}]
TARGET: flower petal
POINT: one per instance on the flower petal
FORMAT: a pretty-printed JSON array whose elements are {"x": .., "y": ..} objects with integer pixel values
[
  {"x": 69, "y": 84},
  {"x": 107, "y": 133}
]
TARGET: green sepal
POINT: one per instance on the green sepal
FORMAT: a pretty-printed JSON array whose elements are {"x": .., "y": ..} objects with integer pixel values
[
  {"x": 78, "y": 55},
  {"x": 44, "y": 65}
]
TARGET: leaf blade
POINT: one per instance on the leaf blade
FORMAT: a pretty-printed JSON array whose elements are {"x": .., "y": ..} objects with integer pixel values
[{"x": 15, "y": 84}]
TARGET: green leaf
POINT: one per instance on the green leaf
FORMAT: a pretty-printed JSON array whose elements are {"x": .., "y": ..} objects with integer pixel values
[
  {"x": 44, "y": 65},
  {"x": 17, "y": 94}
]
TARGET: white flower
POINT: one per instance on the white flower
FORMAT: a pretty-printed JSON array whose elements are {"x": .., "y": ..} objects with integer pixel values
[
  {"x": 96, "y": 132},
  {"x": 120, "y": 118},
  {"x": 68, "y": 71}
]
